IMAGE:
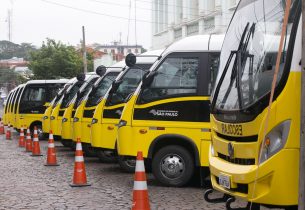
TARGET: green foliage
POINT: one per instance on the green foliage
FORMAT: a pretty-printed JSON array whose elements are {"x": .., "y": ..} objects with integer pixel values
[
  {"x": 10, "y": 78},
  {"x": 10, "y": 49},
  {"x": 55, "y": 60}
]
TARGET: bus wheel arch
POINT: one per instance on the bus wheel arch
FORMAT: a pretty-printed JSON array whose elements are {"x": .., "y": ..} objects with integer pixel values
[
  {"x": 38, "y": 124},
  {"x": 174, "y": 158}
]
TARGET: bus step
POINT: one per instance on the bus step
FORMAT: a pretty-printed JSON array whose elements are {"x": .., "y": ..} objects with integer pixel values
[
  {"x": 222, "y": 199},
  {"x": 249, "y": 206}
]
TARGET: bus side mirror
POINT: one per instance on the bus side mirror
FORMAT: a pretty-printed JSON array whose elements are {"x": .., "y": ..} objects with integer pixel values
[
  {"x": 115, "y": 85},
  {"x": 101, "y": 70},
  {"x": 81, "y": 77},
  {"x": 149, "y": 79},
  {"x": 130, "y": 60}
]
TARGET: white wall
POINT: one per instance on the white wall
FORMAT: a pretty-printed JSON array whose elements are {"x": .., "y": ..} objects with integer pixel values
[{"x": 211, "y": 16}]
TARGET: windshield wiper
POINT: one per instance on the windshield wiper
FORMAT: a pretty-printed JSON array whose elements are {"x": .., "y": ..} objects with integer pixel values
[{"x": 225, "y": 72}]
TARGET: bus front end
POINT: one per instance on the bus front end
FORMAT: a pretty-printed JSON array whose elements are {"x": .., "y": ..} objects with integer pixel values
[{"x": 254, "y": 153}]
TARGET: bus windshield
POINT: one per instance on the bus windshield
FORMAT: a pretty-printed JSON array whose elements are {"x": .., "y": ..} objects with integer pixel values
[
  {"x": 81, "y": 95},
  {"x": 248, "y": 55},
  {"x": 128, "y": 84},
  {"x": 70, "y": 94},
  {"x": 100, "y": 89}
]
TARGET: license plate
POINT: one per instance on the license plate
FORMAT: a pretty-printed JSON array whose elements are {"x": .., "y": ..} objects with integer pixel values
[{"x": 224, "y": 181}]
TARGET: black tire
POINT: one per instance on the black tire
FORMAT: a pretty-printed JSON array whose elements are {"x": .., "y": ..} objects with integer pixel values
[
  {"x": 88, "y": 150},
  {"x": 65, "y": 143},
  {"x": 41, "y": 135},
  {"x": 107, "y": 156},
  {"x": 127, "y": 164},
  {"x": 72, "y": 145},
  {"x": 169, "y": 174}
]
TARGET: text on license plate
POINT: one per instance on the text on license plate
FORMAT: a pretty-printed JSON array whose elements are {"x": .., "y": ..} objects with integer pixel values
[{"x": 224, "y": 181}]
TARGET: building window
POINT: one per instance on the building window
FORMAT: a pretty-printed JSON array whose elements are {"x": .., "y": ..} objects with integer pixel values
[
  {"x": 105, "y": 51},
  {"x": 178, "y": 11},
  {"x": 192, "y": 29},
  {"x": 112, "y": 51},
  {"x": 156, "y": 9},
  {"x": 136, "y": 50},
  {"x": 194, "y": 9},
  {"x": 129, "y": 50}
]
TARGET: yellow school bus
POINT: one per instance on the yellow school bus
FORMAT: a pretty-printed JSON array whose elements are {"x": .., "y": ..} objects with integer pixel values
[
  {"x": 245, "y": 163},
  {"x": 168, "y": 117},
  {"x": 66, "y": 125},
  {"x": 47, "y": 114},
  {"x": 58, "y": 111},
  {"x": 15, "y": 108},
  {"x": 7, "y": 109},
  {"x": 108, "y": 111},
  {"x": 34, "y": 99},
  {"x": 85, "y": 107}
]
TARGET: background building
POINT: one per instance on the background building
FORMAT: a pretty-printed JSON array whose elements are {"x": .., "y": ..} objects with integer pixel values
[
  {"x": 175, "y": 19},
  {"x": 109, "y": 54}
]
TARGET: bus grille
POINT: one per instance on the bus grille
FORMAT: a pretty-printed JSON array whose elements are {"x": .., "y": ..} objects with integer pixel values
[
  {"x": 239, "y": 161},
  {"x": 238, "y": 138}
]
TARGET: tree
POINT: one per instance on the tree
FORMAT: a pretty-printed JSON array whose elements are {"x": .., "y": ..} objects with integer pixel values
[
  {"x": 10, "y": 79},
  {"x": 9, "y": 49},
  {"x": 55, "y": 60}
]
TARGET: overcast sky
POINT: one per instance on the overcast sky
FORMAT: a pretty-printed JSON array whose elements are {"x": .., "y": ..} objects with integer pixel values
[{"x": 35, "y": 20}]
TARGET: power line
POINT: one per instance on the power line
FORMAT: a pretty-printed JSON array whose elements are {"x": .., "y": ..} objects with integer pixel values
[
  {"x": 156, "y": 10},
  {"x": 107, "y": 15},
  {"x": 94, "y": 12}
]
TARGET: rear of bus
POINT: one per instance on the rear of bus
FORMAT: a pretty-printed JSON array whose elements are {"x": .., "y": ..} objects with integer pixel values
[{"x": 35, "y": 98}]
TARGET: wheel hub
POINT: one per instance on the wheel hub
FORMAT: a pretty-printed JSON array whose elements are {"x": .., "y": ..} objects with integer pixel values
[
  {"x": 172, "y": 166},
  {"x": 130, "y": 162}
]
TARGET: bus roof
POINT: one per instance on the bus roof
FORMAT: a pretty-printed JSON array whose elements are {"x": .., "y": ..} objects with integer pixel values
[
  {"x": 53, "y": 81},
  {"x": 149, "y": 60},
  {"x": 197, "y": 43}
]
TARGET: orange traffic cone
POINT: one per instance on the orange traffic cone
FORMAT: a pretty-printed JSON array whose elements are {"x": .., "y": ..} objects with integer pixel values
[
  {"x": 140, "y": 193},
  {"x": 79, "y": 177},
  {"x": 51, "y": 157},
  {"x": 36, "y": 145},
  {"x": 28, "y": 143},
  {"x": 8, "y": 135},
  {"x": 1, "y": 127},
  {"x": 21, "y": 137}
]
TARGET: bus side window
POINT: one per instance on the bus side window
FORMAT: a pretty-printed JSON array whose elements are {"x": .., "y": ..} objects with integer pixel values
[
  {"x": 213, "y": 67},
  {"x": 175, "y": 77}
]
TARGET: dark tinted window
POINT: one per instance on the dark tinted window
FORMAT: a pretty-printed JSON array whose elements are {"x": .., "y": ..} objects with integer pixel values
[
  {"x": 84, "y": 92},
  {"x": 129, "y": 82},
  {"x": 100, "y": 89},
  {"x": 17, "y": 99},
  {"x": 33, "y": 99},
  {"x": 70, "y": 94},
  {"x": 175, "y": 77}
]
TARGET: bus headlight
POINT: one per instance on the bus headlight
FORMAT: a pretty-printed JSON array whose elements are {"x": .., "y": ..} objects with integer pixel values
[
  {"x": 274, "y": 141},
  {"x": 52, "y": 118},
  {"x": 122, "y": 123},
  {"x": 45, "y": 117},
  {"x": 75, "y": 119},
  {"x": 64, "y": 120},
  {"x": 94, "y": 120}
]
